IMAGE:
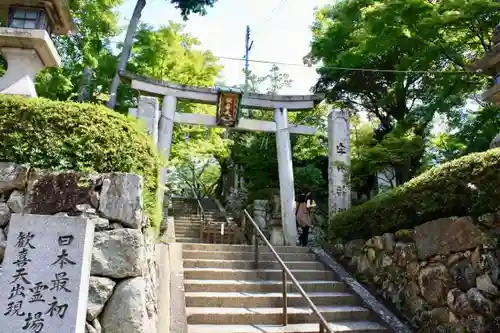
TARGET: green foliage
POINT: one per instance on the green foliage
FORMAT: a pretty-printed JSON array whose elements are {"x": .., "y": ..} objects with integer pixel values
[
  {"x": 466, "y": 186},
  {"x": 445, "y": 147},
  {"x": 410, "y": 37},
  {"x": 308, "y": 176},
  {"x": 170, "y": 54},
  {"x": 188, "y": 7},
  {"x": 82, "y": 137},
  {"x": 3, "y": 65},
  {"x": 473, "y": 133},
  {"x": 87, "y": 48},
  {"x": 479, "y": 129},
  {"x": 194, "y": 164}
]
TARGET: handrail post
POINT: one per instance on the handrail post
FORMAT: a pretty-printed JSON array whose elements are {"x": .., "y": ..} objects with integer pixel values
[
  {"x": 285, "y": 299},
  {"x": 286, "y": 274},
  {"x": 256, "y": 253}
]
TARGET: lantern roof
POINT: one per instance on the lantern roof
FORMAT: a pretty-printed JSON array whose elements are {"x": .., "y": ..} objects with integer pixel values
[{"x": 57, "y": 10}]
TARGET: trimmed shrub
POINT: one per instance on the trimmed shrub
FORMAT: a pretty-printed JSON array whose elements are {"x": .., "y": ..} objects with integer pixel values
[
  {"x": 469, "y": 185},
  {"x": 77, "y": 136}
]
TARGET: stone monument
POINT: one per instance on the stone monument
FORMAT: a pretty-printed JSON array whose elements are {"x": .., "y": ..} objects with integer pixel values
[
  {"x": 260, "y": 208},
  {"x": 25, "y": 40},
  {"x": 490, "y": 64},
  {"x": 45, "y": 274},
  {"x": 339, "y": 162}
]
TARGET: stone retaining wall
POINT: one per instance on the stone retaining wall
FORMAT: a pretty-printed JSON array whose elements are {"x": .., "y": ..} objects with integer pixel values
[
  {"x": 124, "y": 275},
  {"x": 444, "y": 275}
]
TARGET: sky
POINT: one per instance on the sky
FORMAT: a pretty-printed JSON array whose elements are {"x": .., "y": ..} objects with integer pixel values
[{"x": 280, "y": 30}]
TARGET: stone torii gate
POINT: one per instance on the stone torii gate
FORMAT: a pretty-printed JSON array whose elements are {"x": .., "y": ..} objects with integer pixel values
[{"x": 160, "y": 125}]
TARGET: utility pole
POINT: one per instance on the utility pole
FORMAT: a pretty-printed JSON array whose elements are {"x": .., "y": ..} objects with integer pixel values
[
  {"x": 237, "y": 182},
  {"x": 248, "y": 47}
]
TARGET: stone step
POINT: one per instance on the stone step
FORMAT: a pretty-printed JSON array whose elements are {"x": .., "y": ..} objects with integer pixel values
[
  {"x": 263, "y": 256},
  {"x": 187, "y": 231},
  {"x": 244, "y": 248},
  {"x": 256, "y": 286},
  {"x": 196, "y": 232},
  {"x": 187, "y": 235},
  {"x": 247, "y": 274},
  {"x": 178, "y": 221},
  {"x": 270, "y": 316},
  {"x": 347, "y": 326},
  {"x": 268, "y": 300},
  {"x": 249, "y": 264},
  {"x": 187, "y": 239},
  {"x": 187, "y": 225}
]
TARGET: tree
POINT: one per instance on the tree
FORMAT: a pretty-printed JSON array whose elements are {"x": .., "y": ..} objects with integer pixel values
[
  {"x": 194, "y": 163},
  {"x": 168, "y": 53},
  {"x": 85, "y": 53},
  {"x": 473, "y": 134},
  {"x": 410, "y": 42},
  {"x": 276, "y": 80},
  {"x": 186, "y": 7}
]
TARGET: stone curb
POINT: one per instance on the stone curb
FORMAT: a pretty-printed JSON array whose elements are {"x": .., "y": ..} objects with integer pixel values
[{"x": 178, "y": 318}]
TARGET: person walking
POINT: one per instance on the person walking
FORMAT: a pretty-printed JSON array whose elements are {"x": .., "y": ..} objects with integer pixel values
[{"x": 304, "y": 206}]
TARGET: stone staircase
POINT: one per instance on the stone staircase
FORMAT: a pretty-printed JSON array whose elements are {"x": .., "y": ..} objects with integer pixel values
[
  {"x": 224, "y": 293},
  {"x": 187, "y": 223}
]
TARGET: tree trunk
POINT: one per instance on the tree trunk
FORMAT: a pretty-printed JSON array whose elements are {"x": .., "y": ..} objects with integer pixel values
[
  {"x": 220, "y": 181},
  {"x": 85, "y": 92},
  {"x": 126, "y": 50}
]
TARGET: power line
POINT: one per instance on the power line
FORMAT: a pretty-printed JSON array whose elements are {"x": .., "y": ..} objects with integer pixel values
[
  {"x": 353, "y": 68},
  {"x": 278, "y": 7}
]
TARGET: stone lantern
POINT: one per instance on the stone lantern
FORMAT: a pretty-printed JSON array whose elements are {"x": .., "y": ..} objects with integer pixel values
[
  {"x": 490, "y": 64},
  {"x": 25, "y": 43}
]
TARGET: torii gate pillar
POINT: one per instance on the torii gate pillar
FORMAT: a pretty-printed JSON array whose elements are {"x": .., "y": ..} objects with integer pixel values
[{"x": 285, "y": 170}]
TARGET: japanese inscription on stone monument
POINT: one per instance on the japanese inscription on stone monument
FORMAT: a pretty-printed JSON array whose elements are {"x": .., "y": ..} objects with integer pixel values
[
  {"x": 45, "y": 274},
  {"x": 339, "y": 198}
]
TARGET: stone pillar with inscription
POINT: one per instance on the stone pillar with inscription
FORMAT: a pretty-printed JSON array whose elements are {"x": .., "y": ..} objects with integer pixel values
[
  {"x": 339, "y": 162},
  {"x": 45, "y": 274},
  {"x": 149, "y": 112}
]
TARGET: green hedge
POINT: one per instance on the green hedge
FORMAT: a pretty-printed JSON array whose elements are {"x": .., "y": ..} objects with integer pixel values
[
  {"x": 76, "y": 136},
  {"x": 466, "y": 186}
]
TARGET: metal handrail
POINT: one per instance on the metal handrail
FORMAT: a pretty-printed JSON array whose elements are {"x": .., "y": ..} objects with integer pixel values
[{"x": 323, "y": 324}]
